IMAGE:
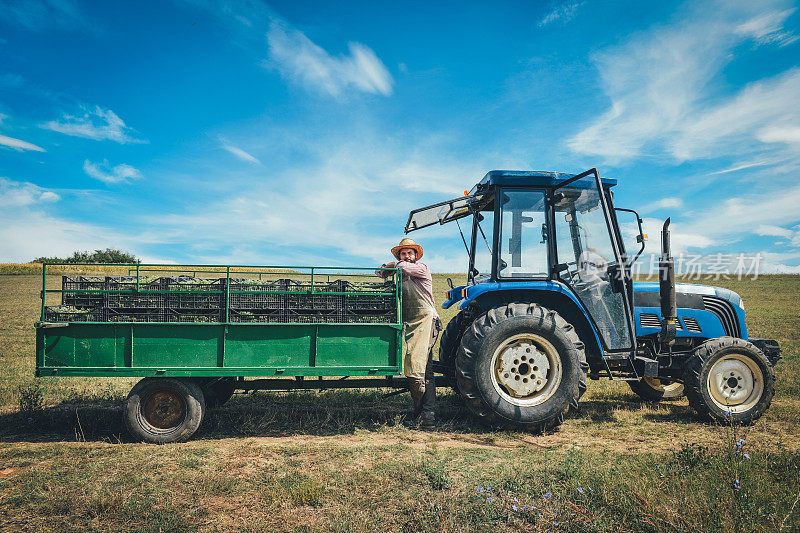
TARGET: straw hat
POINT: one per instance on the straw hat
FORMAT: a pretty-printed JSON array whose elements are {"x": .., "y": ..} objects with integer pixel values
[{"x": 407, "y": 243}]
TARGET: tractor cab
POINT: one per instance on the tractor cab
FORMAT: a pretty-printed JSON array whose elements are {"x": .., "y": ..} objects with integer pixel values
[{"x": 540, "y": 230}]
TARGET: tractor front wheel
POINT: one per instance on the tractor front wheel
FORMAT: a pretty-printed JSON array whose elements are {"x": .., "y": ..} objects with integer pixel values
[
  {"x": 521, "y": 364},
  {"x": 655, "y": 390},
  {"x": 729, "y": 380}
]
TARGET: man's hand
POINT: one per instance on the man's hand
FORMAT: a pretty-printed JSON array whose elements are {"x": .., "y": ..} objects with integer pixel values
[{"x": 386, "y": 273}]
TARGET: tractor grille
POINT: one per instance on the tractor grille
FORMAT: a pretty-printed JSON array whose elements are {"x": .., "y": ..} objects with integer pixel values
[
  {"x": 726, "y": 314},
  {"x": 649, "y": 320},
  {"x": 692, "y": 325}
]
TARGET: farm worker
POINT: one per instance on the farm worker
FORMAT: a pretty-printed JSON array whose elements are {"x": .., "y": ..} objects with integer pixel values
[{"x": 421, "y": 328}]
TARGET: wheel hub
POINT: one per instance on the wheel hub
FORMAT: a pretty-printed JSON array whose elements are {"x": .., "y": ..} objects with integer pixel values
[
  {"x": 526, "y": 369},
  {"x": 735, "y": 383},
  {"x": 522, "y": 369},
  {"x": 164, "y": 409}
]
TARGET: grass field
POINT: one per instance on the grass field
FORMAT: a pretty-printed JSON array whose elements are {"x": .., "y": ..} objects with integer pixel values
[{"x": 343, "y": 461}]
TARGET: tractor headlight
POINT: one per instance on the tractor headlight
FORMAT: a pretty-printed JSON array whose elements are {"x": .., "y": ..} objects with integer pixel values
[{"x": 741, "y": 304}]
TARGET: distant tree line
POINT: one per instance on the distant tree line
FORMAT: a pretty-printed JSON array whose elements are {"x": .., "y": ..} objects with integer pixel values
[{"x": 98, "y": 256}]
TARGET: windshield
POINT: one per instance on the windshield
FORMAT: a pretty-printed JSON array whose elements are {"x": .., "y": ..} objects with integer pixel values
[
  {"x": 444, "y": 212},
  {"x": 585, "y": 255},
  {"x": 523, "y": 235},
  {"x": 482, "y": 242}
]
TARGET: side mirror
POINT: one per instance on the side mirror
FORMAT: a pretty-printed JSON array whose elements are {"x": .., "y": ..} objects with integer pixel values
[{"x": 640, "y": 238}]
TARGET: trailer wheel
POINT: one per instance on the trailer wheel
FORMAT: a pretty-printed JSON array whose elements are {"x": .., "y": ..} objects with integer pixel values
[
  {"x": 161, "y": 410},
  {"x": 451, "y": 340},
  {"x": 521, "y": 364},
  {"x": 655, "y": 390},
  {"x": 729, "y": 380}
]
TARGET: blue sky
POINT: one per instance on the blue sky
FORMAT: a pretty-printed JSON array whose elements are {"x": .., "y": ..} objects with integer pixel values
[{"x": 304, "y": 133}]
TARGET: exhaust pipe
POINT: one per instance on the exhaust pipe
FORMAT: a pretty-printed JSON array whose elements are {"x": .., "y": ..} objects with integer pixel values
[{"x": 666, "y": 286}]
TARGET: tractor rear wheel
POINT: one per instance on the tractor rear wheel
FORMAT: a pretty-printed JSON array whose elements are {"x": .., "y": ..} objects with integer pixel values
[
  {"x": 655, "y": 390},
  {"x": 521, "y": 364},
  {"x": 451, "y": 340},
  {"x": 729, "y": 380},
  {"x": 161, "y": 410}
]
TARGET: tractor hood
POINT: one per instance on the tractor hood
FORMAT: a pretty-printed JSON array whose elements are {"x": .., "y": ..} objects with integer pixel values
[
  {"x": 725, "y": 304},
  {"x": 646, "y": 291}
]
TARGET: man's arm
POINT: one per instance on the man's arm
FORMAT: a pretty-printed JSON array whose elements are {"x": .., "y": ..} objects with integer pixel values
[
  {"x": 415, "y": 270},
  {"x": 385, "y": 273}
]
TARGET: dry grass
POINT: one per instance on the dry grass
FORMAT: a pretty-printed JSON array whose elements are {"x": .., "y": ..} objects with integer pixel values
[{"x": 342, "y": 461}]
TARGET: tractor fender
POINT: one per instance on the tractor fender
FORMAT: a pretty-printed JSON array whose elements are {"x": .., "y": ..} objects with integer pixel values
[{"x": 552, "y": 295}]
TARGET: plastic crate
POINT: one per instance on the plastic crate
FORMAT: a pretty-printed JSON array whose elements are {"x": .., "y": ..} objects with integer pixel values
[
  {"x": 264, "y": 316},
  {"x": 370, "y": 317},
  {"x": 300, "y": 297},
  {"x": 134, "y": 315},
  {"x": 62, "y": 313},
  {"x": 82, "y": 299},
  {"x": 194, "y": 316},
  {"x": 128, "y": 297},
  {"x": 305, "y": 316},
  {"x": 194, "y": 293},
  {"x": 370, "y": 286},
  {"x": 370, "y": 302},
  {"x": 258, "y": 300}
]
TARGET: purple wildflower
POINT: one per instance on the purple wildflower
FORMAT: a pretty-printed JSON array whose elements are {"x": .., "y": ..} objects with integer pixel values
[
  {"x": 548, "y": 495},
  {"x": 580, "y": 490}
]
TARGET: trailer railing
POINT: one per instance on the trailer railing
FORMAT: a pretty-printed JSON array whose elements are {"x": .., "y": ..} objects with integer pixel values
[{"x": 306, "y": 282}]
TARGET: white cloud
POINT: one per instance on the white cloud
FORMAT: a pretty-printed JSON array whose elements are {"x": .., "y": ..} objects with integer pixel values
[
  {"x": 94, "y": 123},
  {"x": 774, "y": 231},
  {"x": 660, "y": 84},
  {"x": 15, "y": 194},
  {"x": 304, "y": 62},
  {"x": 238, "y": 152},
  {"x": 30, "y": 227},
  {"x": 738, "y": 167},
  {"x": 561, "y": 13},
  {"x": 768, "y": 28},
  {"x": 772, "y": 134},
  {"x": 665, "y": 203},
  {"x": 107, "y": 174},
  {"x": 342, "y": 201},
  {"x": 17, "y": 144}
]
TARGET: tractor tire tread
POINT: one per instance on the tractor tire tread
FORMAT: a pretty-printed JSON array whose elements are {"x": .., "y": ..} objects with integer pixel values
[
  {"x": 470, "y": 345},
  {"x": 694, "y": 387}
]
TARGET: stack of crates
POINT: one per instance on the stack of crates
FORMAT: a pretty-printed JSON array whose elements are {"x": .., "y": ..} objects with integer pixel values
[
  {"x": 186, "y": 299},
  {"x": 256, "y": 305}
]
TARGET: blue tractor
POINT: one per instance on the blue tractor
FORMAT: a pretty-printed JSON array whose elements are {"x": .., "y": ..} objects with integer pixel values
[{"x": 550, "y": 300}]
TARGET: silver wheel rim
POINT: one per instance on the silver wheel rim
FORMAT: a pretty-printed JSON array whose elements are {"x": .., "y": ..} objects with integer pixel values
[
  {"x": 735, "y": 383},
  {"x": 657, "y": 384},
  {"x": 526, "y": 369}
]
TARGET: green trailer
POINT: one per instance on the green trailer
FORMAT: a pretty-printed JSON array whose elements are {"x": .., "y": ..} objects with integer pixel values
[{"x": 193, "y": 360}]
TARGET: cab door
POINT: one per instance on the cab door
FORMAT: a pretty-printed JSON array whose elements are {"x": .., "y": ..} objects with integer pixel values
[{"x": 590, "y": 258}]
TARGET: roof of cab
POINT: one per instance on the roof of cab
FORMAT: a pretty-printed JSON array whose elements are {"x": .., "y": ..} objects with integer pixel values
[{"x": 534, "y": 178}]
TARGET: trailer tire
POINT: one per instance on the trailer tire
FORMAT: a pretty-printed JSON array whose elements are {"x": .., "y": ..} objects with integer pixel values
[
  {"x": 162, "y": 410},
  {"x": 451, "y": 340},
  {"x": 729, "y": 380},
  {"x": 655, "y": 390},
  {"x": 521, "y": 365}
]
